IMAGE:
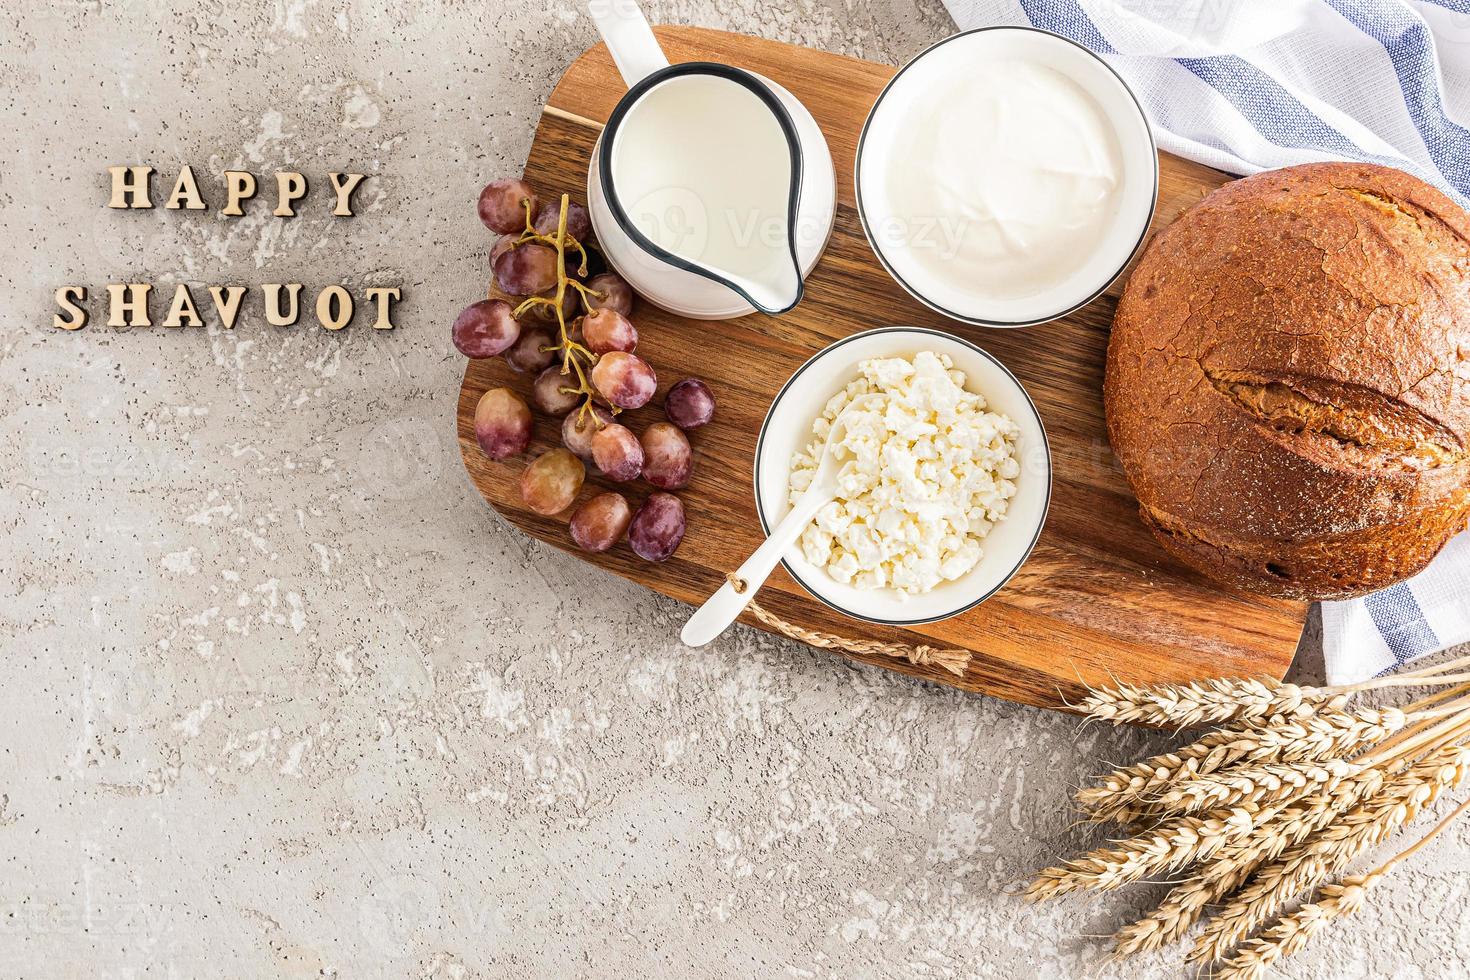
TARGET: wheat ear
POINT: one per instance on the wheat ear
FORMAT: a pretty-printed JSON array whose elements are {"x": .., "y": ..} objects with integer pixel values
[
  {"x": 1309, "y": 864},
  {"x": 1327, "y": 735},
  {"x": 1120, "y": 794},
  {"x": 1268, "y": 782},
  {"x": 1204, "y": 702},
  {"x": 1176, "y": 844},
  {"x": 1236, "y": 862}
]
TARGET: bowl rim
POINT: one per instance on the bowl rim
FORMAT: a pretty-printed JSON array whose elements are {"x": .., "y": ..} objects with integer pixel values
[
  {"x": 857, "y": 182},
  {"x": 760, "y": 450}
]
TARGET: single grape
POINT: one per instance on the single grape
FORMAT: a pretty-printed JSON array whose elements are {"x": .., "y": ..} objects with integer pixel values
[
  {"x": 502, "y": 206},
  {"x": 526, "y": 269},
  {"x": 485, "y": 329},
  {"x": 599, "y": 523},
  {"x": 579, "y": 222},
  {"x": 501, "y": 246},
  {"x": 502, "y": 423},
  {"x": 689, "y": 404},
  {"x": 552, "y": 481},
  {"x": 555, "y": 393},
  {"x": 528, "y": 354},
  {"x": 667, "y": 459},
  {"x": 617, "y": 295},
  {"x": 548, "y": 216},
  {"x": 609, "y": 330},
  {"x": 657, "y": 528},
  {"x": 578, "y": 428},
  {"x": 618, "y": 453},
  {"x": 624, "y": 379}
]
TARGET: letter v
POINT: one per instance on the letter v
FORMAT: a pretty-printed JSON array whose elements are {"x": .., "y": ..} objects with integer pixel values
[{"x": 227, "y": 301}]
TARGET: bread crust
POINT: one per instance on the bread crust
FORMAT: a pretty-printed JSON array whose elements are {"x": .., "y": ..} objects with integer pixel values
[{"x": 1288, "y": 380}]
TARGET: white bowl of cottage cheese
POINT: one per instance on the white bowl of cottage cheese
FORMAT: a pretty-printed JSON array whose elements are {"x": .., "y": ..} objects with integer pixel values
[{"x": 945, "y": 475}]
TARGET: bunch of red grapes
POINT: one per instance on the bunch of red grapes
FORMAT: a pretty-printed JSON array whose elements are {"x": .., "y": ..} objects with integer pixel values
[{"x": 570, "y": 330}]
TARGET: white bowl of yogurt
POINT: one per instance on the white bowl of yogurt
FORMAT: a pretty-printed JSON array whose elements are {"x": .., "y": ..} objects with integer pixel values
[
  {"x": 788, "y": 431},
  {"x": 1006, "y": 176}
]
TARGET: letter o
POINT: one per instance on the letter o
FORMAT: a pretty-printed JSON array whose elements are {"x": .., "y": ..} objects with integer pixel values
[{"x": 324, "y": 307}]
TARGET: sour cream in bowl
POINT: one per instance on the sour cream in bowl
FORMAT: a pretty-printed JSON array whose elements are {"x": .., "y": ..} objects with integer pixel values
[
  {"x": 944, "y": 488},
  {"x": 1006, "y": 176}
]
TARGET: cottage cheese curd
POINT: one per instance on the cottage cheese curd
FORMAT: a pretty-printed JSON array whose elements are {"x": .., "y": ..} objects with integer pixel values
[{"x": 926, "y": 472}]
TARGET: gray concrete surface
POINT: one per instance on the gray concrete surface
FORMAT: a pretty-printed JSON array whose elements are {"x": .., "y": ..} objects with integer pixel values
[{"x": 284, "y": 698}]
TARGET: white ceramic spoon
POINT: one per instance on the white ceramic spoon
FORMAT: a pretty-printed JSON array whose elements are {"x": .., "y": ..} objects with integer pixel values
[{"x": 722, "y": 608}]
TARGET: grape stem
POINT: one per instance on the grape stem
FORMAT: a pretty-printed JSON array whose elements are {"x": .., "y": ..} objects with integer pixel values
[{"x": 575, "y": 358}]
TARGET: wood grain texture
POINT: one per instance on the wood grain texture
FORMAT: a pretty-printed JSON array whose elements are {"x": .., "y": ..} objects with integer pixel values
[{"x": 1098, "y": 600}]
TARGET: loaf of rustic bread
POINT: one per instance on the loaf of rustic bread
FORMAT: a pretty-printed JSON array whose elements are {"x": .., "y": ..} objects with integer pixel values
[{"x": 1288, "y": 380}]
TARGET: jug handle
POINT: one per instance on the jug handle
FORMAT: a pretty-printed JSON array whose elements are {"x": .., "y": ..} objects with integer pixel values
[{"x": 629, "y": 38}]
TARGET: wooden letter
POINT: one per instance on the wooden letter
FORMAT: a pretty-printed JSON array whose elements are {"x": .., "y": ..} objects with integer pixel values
[
  {"x": 129, "y": 304},
  {"x": 344, "y": 185},
  {"x": 183, "y": 307},
  {"x": 384, "y": 296},
  {"x": 241, "y": 188},
  {"x": 227, "y": 302},
  {"x": 67, "y": 298},
  {"x": 273, "y": 314},
  {"x": 289, "y": 187},
  {"x": 324, "y": 306},
  {"x": 130, "y": 187},
  {"x": 186, "y": 192}
]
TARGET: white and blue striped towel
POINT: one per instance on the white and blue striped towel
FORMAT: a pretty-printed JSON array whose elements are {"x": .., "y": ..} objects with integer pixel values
[{"x": 1248, "y": 85}]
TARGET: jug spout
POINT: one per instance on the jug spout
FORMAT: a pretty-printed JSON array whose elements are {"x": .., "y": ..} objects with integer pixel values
[{"x": 775, "y": 290}]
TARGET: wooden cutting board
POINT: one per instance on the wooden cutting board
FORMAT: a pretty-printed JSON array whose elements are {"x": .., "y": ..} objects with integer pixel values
[{"x": 1098, "y": 600}]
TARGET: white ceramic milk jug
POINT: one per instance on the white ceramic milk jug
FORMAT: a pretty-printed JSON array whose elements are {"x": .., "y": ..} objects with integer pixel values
[{"x": 711, "y": 188}]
